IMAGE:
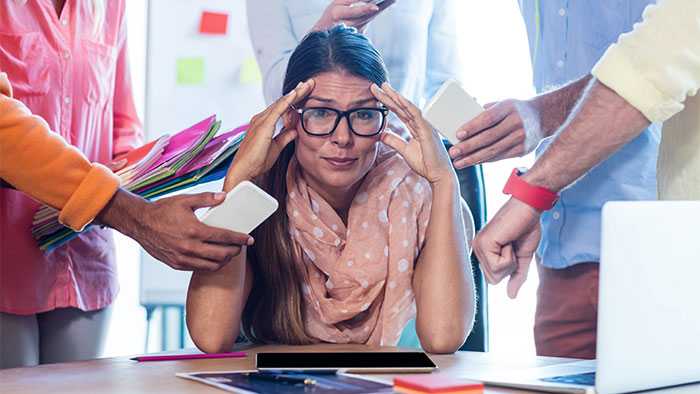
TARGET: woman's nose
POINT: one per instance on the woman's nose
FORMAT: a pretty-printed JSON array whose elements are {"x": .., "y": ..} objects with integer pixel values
[{"x": 342, "y": 135}]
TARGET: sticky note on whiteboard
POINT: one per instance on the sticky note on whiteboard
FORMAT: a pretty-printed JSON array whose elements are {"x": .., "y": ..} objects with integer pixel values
[
  {"x": 190, "y": 71},
  {"x": 213, "y": 23},
  {"x": 250, "y": 72}
]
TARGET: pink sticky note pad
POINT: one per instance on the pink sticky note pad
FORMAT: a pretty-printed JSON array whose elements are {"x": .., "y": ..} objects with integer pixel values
[{"x": 213, "y": 23}]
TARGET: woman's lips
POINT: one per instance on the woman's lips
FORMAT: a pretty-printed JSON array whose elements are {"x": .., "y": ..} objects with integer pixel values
[{"x": 340, "y": 162}]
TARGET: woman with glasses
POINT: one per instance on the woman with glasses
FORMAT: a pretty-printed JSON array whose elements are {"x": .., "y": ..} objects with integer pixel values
[{"x": 355, "y": 250}]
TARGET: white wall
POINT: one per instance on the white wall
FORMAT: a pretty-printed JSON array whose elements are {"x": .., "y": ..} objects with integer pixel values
[{"x": 495, "y": 49}]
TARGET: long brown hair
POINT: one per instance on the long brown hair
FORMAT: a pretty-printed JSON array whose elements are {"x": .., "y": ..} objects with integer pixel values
[{"x": 275, "y": 308}]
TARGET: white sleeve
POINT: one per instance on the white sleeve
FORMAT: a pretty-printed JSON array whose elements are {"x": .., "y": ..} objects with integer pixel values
[
  {"x": 273, "y": 40},
  {"x": 656, "y": 66},
  {"x": 443, "y": 60}
]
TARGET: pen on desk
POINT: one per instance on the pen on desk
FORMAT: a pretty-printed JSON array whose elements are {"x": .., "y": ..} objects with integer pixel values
[
  {"x": 198, "y": 356},
  {"x": 283, "y": 378}
]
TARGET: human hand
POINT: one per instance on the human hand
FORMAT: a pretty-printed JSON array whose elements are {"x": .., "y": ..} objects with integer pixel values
[
  {"x": 259, "y": 150},
  {"x": 507, "y": 244},
  {"x": 424, "y": 152},
  {"x": 353, "y": 13},
  {"x": 398, "y": 128},
  {"x": 170, "y": 232},
  {"x": 504, "y": 130}
]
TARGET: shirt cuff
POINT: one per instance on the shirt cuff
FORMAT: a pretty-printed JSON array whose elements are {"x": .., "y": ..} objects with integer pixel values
[
  {"x": 93, "y": 193},
  {"x": 616, "y": 71}
]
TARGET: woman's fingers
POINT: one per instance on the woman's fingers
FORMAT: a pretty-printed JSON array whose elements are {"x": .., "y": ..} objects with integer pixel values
[
  {"x": 281, "y": 141},
  {"x": 381, "y": 95},
  {"x": 395, "y": 142},
  {"x": 272, "y": 114},
  {"x": 414, "y": 116},
  {"x": 403, "y": 102}
]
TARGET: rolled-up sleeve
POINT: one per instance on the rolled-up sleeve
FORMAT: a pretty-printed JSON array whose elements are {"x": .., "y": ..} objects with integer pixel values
[
  {"x": 656, "y": 66},
  {"x": 40, "y": 163}
]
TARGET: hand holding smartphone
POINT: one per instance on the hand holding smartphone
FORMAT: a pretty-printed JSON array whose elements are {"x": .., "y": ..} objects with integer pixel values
[
  {"x": 244, "y": 209},
  {"x": 451, "y": 108}
]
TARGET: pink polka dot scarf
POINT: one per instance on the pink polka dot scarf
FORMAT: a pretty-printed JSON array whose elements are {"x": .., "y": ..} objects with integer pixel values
[{"x": 359, "y": 277}]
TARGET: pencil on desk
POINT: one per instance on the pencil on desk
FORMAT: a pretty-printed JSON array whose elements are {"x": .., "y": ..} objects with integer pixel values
[{"x": 198, "y": 356}]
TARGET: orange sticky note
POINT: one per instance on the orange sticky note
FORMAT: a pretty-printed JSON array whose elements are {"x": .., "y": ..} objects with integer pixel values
[{"x": 213, "y": 23}]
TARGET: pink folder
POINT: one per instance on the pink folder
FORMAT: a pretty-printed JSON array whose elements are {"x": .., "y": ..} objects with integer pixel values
[{"x": 184, "y": 141}]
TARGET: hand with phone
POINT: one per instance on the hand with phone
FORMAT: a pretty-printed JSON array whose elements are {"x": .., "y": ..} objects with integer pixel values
[
  {"x": 504, "y": 130},
  {"x": 259, "y": 149},
  {"x": 353, "y": 13},
  {"x": 513, "y": 128}
]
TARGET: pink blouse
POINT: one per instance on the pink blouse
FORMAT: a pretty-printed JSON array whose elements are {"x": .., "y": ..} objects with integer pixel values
[{"x": 72, "y": 70}]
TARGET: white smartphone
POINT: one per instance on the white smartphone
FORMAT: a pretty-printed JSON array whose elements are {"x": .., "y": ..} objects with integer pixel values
[
  {"x": 244, "y": 209},
  {"x": 450, "y": 108}
]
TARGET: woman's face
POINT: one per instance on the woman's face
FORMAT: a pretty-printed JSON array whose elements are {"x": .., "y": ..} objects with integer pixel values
[{"x": 342, "y": 159}]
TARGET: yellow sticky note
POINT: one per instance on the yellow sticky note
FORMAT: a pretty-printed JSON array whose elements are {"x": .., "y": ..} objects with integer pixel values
[
  {"x": 250, "y": 72},
  {"x": 190, "y": 71}
]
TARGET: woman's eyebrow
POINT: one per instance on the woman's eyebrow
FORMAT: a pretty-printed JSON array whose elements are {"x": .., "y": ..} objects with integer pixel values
[
  {"x": 363, "y": 101},
  {"x": 321, "y": 99},
  {"x": 332, "y": 101}
]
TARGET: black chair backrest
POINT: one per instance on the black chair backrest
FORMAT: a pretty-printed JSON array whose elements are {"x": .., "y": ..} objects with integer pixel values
[{"x": 471, "y": 184}]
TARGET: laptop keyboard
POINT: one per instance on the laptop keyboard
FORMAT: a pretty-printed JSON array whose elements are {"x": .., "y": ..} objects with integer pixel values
[{"x": 584, "y": 379}]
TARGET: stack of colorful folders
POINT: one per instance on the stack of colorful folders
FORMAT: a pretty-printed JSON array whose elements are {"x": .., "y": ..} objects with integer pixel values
[{"x": 168, "y": 164}]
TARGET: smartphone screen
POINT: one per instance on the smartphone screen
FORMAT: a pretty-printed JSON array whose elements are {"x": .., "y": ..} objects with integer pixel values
[{"x": 345, "y": 361}]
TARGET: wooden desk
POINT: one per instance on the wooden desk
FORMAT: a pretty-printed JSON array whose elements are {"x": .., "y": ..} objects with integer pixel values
[{"x": 121, "y": 375}]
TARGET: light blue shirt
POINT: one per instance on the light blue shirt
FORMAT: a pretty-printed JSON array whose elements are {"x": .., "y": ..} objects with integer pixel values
[
  {"x": 567, "y": 37},
  {"x": 417, "y": 39}
]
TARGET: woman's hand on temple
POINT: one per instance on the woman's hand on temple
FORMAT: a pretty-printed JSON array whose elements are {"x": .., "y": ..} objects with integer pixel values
[
  {"x": 259, "y": 149},
  {"x": 424, "y": 152},
  {"x": 353, "y": 13}
]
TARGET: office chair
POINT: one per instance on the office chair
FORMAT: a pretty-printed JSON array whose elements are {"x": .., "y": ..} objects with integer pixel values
[{"x": 471, "y": 184}]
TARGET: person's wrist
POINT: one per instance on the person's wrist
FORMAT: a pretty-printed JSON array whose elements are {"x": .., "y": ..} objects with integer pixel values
[
  {"x": 124, "y": 212},
  {"x": 446, "y": 182},
  {"x": 236, "y": 177},
  {"x": 537, "y": 196},
  {"x": 536, "y": 120}
]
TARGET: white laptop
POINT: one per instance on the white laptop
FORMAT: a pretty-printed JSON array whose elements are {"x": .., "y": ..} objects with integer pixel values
[{"x": 648, "y": 306}]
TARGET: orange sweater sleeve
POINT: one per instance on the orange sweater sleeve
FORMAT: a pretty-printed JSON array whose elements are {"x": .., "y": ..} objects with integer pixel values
[{"x": 40, "y": 163}]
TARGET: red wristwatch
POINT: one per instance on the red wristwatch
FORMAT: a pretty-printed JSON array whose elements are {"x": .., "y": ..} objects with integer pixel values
[{"x": 537, "y": 197}]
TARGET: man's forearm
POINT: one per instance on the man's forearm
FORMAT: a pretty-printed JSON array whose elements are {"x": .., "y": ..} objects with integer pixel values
[
  {"x": 600, "y": 124},
  {"x": 555, "y": 107}
]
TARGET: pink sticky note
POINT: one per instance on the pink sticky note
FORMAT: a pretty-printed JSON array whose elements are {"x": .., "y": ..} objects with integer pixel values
[{"x": 213, "y": 23}]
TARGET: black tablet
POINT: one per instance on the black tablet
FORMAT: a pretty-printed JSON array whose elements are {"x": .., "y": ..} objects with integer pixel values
[{"x": 357, "y": 362}]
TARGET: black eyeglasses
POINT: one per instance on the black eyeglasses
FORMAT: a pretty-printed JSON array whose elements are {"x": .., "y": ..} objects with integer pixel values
[{"x": 322, "y": 121}]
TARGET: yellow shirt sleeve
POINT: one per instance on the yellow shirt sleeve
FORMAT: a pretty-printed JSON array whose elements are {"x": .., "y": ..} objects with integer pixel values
[
  {"x": 656, "y": 66},
  {"x": 40, "y": 163}
]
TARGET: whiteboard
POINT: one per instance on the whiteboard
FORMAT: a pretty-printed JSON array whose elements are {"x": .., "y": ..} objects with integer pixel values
[{"x": 173, "y": 35}]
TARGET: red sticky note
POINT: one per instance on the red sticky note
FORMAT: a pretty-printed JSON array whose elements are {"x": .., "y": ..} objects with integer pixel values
[
  {"x": 213, "y": 23},
  {"x": 436, "y": 383}
]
